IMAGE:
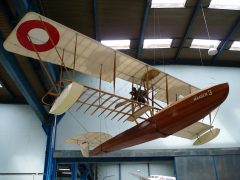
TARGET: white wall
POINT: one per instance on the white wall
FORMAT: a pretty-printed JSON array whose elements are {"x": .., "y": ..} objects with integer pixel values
[
  {"x": 22, "y": 142},
  {"x": 227, "y": 118}
]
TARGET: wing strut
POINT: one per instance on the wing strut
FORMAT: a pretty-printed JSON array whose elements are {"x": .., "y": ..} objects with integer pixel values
[
  {"x": 48, "y": 75},
  {"x": 74, "y": 58},
  {"x": 114, "y": 72},
  {"x": 100, "y": 83},
  {"x": 50, "y": 37}
]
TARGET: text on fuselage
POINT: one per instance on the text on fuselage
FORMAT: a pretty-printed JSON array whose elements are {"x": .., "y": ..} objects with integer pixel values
[{"x": 203, "y": 95}]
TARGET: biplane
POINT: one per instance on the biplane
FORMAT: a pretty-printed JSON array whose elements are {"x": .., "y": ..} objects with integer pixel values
[{"x": 182, "y": 105}]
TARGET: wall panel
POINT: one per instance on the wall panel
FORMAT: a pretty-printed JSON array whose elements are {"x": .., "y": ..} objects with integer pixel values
[
  {"x": 228, "y": 167},
  {"x": 195, "y": 167}
]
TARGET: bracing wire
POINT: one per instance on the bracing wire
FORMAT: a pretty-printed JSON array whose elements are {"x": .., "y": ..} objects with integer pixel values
[
  {"x": 81, "y": 125},
  {"x": 215, "y": 114},
  {"x": 41, "y": 63}
]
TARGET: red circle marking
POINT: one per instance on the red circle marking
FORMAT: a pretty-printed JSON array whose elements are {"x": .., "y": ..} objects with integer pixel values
[{"x": 24, "y": 28}]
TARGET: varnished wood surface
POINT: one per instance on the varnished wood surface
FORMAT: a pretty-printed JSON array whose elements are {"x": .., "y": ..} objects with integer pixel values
[{"x": 168, "y": 121}]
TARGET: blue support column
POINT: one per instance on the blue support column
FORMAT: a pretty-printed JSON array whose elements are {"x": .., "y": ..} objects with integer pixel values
[
  {"x": 84, "y": 172},
  {"x": 215, "y": 167},
  {"x": 50, "y": 161},
  {"x": 148, "y": 165},
  {"x": 189, "y": 26},
  {"x": 11, "y": 65},
  {"x": 143, "y": 27},
  {"x": 74, "y": 170},
  {"x": 223, "y": 44},
  {"x": 175, "y": 168},
  {"x": 119, "y": 171}
]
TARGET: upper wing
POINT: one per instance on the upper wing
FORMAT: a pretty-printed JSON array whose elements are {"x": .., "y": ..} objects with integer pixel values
[{"x": 41, "y": 38}]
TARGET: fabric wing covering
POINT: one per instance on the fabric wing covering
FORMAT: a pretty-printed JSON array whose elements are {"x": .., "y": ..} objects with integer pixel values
[{"x": 90, "y": 55}]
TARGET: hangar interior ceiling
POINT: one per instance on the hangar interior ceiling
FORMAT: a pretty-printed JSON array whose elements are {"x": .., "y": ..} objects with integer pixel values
[{"x": 134, "y": 20}]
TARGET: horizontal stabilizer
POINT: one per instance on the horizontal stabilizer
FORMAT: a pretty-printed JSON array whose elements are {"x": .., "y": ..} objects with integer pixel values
[{"x": 88, "y": 141}]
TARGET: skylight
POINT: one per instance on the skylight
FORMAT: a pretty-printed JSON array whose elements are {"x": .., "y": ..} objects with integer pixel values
[
  {"x": 117, "y": 44},
  {"x": 204, "y": 43},
  {"x": 168, "y": 3},
  {"x": 157, "y": 43},
  {"x": 235, "y": 46},
  {"x": 225, "y": 4}
]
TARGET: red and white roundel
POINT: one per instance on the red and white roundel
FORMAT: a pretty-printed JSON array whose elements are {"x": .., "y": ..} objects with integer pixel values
[{"x": 24, "y": 29}]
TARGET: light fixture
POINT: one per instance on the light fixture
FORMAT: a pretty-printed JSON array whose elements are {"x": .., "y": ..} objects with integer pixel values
[
  {"x": 157, "y": 43},
  {"x": 225, "y": 4},
  {"x": 64, "y": 169},
  {"x": 235, "y": 46},
  {"x": 168, "y": 3},
  {"x": 1, "y": 85},
  {"x": 204, "y": 43},
  {"x": 117, "y": 44}
]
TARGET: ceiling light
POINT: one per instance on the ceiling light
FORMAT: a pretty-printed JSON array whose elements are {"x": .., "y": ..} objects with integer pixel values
[
  {"x": 168, "y": 3},
  {"x": 225, "y": 4},
  {"x": 117, "y": 44},
  {"x": 204, "y": 43},
  {"x": 235, "y": 46},
  {"x": 157, "y": 43},
  {"x": 64, "y": 169},
  {"x": 66, "y": 173}
]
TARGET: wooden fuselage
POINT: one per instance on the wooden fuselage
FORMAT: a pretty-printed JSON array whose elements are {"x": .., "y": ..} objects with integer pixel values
[{"x": 169, "y": 120}]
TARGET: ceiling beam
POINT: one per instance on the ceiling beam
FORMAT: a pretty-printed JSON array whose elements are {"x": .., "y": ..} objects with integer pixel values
[
  {"x": 11, "y": 65},
  {"x": 188, "y": 28},
  {"x": 143, "y": 27},
  {"x": 225, "y": 42},
  {"x": 96, "y": 22}
]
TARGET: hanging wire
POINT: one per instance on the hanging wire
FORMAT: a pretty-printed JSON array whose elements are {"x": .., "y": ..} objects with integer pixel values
[
  {"x": 159, "y": 35},
  {"x": 41, "y": 6},
  {"x": 154, "y": 34},
  {"x": 205, "y": 22},
  {"x": 200, "y": 54}
]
